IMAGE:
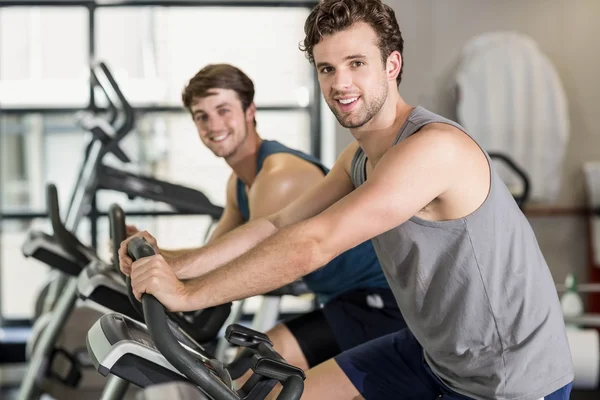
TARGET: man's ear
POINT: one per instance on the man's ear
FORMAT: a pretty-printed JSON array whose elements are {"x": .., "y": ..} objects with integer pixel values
[
  {"x": 251, "y": 112},
  {"x": 394, "y": 65}
]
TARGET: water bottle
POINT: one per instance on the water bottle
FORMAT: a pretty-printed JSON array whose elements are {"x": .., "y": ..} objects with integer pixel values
[{"x": 570, "y": 301}]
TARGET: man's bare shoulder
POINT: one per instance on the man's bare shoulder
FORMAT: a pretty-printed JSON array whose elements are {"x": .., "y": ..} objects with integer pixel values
[
  {"x": 231, "y": 181},
  {"x": 448, "y": 133},
  {"x": 232, "y": 189},
  {"x": 280, "y": 165},
  {"x": 440, "y": 140},
  {"x": 282, "y": 174}
]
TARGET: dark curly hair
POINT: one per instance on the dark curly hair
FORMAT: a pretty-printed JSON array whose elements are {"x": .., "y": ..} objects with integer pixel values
[{"x": 331, "y": 16}]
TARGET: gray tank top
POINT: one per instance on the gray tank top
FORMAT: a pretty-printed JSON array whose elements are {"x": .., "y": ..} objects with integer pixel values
[{"x": 477, "y": 293}]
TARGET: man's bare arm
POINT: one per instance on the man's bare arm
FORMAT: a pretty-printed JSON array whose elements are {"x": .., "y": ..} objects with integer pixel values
[
  {"x": 282, "y": 179},
  {"x": 406, "y": 179},
  {"x": 230, "y": 219},
  {"x": 275, "y": 190}
]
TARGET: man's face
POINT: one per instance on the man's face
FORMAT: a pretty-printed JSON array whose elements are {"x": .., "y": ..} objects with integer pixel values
[
  {"x": 221, "y": 121},
  {"x": 351, "y": 74}
]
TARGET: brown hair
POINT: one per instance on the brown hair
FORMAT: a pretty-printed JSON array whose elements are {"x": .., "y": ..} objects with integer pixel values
[
  {"x": 331, "y": 16},
  {"x": 219, "y": 76}
]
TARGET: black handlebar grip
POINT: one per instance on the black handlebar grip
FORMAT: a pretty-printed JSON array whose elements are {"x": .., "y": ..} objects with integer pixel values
[
  {"x": 292, "y": 388},
  {"x": 138, "y": 248},
  {"x": 118, "y": 232}
]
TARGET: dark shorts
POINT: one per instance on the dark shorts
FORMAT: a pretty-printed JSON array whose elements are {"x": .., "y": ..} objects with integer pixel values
[
  {"x": 346, "y": 321},
  {"x": 393, "y": 366}
]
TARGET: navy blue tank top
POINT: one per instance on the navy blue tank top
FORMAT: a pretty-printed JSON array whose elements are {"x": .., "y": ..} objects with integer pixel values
[{"x": 357, "y": 268}]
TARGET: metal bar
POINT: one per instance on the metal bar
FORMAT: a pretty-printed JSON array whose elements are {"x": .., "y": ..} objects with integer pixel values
[
  {"x": 43, "y": 348},
  {"x": 34, "y": 215},
  {"x": 91, "y": 50},
  {"x": 213, "y": 3},
  {"x": 49, "y": 3},
  {"x": 178, "y": 109},
  {"x": 590, "y": 320},
  {"x": 140, "y": 109},
  {"x": 115, "y": 388},
  {"x": 580, "y": 288},
  {"x": 41, "y": 110},
  {"x": 93, "y": 217},
  {"x": 1, "y": 219},
  {"x": 159, "y": 3}
]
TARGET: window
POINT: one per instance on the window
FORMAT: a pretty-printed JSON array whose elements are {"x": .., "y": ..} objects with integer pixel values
[
  {"x": 43, "y": 57},
  {"x": 160, "y": 49},
  {"x": 153, "y": 52}
]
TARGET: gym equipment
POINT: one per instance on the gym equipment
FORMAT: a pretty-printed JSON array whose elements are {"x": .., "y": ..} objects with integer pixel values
[
  {"x": 57, "y": 363},
  {"x": 97, "y": 176},
  {"x": 522, "y": 197},
  {"x": 265, "y": 317},
  {"x": 163, "y": 353},
  {"x": 94, "y": 176},
  {"x": 105, "y": 286},
  {"x": 47, "y": 249}
]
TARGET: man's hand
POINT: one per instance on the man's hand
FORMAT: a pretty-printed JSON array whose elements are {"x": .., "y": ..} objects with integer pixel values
[
  {"x": 124, "y": 260},
  {"x": 153, "y": 275},
  {"x": 130, "y": 230}
]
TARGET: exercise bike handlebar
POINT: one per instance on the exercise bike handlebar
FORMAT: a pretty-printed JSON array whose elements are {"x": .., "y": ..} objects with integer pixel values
[
  {"x": 155, "y": 316},
  {"x": 203, "y": 327},
  {"x": 65, "y": 239},
  {"x": 118, "y": 233}
]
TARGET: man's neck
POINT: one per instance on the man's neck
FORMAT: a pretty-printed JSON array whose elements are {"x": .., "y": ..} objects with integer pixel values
[
  {"x": 243, "y": 162},
  {"x": 378, "y": 136}
]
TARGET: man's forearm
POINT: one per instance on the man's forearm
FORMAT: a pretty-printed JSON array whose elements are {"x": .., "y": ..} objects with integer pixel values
[
  {"x": 282, "y": 258},
  {"x": 224, "y": 249},
  {"x": 176, "y": 253}
]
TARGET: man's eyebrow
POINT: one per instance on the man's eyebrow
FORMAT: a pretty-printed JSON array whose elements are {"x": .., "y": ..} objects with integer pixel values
[
  {"x": 347, "y": 58},
  {"x": 201, "y": 111}
]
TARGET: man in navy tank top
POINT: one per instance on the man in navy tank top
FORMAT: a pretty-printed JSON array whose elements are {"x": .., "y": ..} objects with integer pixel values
[
  {"x": 357, "y": 304},
  {"x": 481, "y": 308}
]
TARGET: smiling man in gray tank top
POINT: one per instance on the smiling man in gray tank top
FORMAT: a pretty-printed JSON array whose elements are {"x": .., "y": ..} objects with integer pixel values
[{"x": 483, "y": 315}]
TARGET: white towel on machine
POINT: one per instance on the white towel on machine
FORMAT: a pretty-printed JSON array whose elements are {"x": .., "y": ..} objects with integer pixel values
[{"x": 512, "y": 101}]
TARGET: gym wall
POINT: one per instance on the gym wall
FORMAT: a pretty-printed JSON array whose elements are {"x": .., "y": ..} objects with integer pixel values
[{"x": 567, "y": 32}]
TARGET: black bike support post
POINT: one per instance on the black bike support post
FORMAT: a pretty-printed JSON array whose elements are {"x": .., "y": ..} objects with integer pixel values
[
  {"x": 93, "y": 217},
  {"x": 115, "y": 388},
  {"x": 91, "y": 51},
  {"x": 93, "y": 212},
  {"x": 1, "y": 206}
]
